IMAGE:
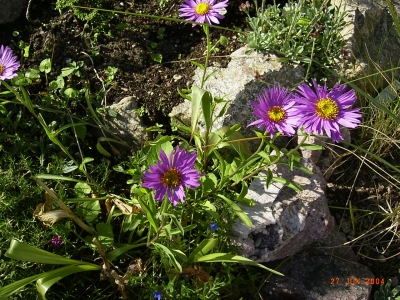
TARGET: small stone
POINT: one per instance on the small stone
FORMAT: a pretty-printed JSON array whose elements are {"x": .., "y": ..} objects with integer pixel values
[{"x": 177, "y": 77}]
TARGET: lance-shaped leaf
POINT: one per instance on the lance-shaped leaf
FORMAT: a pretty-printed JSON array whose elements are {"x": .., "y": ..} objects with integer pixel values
[
  {"x": 49, "y": 278},
  {"x": 226, "y": 257},
  {"x": 25, "y": 252}
]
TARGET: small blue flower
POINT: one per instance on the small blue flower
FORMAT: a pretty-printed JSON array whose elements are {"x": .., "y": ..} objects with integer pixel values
[
  {"x": 157, "y": 295},
  {"x": 213, "y": 226}
]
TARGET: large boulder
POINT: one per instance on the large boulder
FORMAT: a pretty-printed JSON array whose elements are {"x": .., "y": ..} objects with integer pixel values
[
  {"x": 245, "y": 76},
  {"x": 11, "y": 10},
  {"x": 372, "y": 39},
  {"x": 284, "y": 220},
  {"x": 322, "y": 272}
]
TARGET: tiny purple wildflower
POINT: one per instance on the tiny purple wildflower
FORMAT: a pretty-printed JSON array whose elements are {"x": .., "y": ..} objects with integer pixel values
[
  {"x": 326, "y": 110},
  {"x": 8, "y": 63},
  {"x": 157, "y": 295},
  {"x": 203, "y": 11},
  {"x": 56, "y": 241},
  {"x": 171, "y": 175},
  {"x": 213, "y": 226},
  {"x": 276, "y": 111}
]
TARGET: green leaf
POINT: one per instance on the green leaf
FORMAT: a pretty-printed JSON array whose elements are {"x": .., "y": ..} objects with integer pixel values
[
  {"x": 112, "y": 113},
  {"x": 237, "y": 210},
  {"x": 208, "y": 182},
  {"x": 196, "y": 97},
  {"x": 71, "y": 93},
  {"x": 25, "y": 252},
  {"x": 206, "y": 105},
  {"x": 242, "y": 196},
  {"x": 59, "y": 83},
  {"x": 223, "y": 40},
  {"x": 84, "y": 162},
  {"x": 157, "y": 57},
  {"x": 176, "y": 222},
  {"x": 288, "y": 183},
  {"x": 153, "y": 156},
  {"x": 14, "y": 287},
  {"x": 57, "y": 177},
  {"x": 89, "y": 210},
  {"x": 202, "y": 249},
  {"x": 68, "y": 169},
  {"x": 103, "y": 151},
  {"x": 167, "y": 230},
  {"x": 21, "y": 80},
  {"x": 170, "y": 255},
  {"x": 121, "y": 26},
  {"x": 121, "y": 250},
  {"x": 82, "y": 189},
  {"x": 149, "y": 213},
  {"x": 198, "y": 65},
  {"x": 225, "y": 257},
  {"x": 179, "y": 230},
  {"x": 49, "y": 278},
  {"x": 33, "y": 74},
  {"x": 105, "y": 234},
  {"x": 67, "y": 71},
  {"x": 45, "y": 65},
  {"x": 312, "y": 147},
  {"x": 80, "y": 130}
]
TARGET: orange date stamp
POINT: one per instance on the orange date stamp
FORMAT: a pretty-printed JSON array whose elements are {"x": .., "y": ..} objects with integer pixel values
[{"x": 357, "y": 280}]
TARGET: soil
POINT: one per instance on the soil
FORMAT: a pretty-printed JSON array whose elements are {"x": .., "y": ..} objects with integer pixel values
[{"x": 65, "y": 38}]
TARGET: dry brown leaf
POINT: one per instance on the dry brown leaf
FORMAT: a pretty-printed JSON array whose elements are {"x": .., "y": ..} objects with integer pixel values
[
  {"x": 50, "y": 217},
  {"x": 127, "y": 209}
]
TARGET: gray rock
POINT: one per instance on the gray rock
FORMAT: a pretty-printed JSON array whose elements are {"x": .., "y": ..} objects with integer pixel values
[
  {"x": 283, "y": 220},
  {"x": 11, "y": 10},
  {"x": 128, "y": 125},
  {"x": 330, "y": 157},
  {"x": 315, "y": 274},
  {"x": 244, "y": 77},
  {"x": 371, "y": 36}
]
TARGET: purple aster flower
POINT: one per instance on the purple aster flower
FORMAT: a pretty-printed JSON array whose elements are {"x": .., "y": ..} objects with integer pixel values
[
  {"x": 213, "y": 226},
  {"x": 8, "y": 63},
  {"x": 323, "y": 110},
  {"x": 157, "y": 295},
  {"x": 172, "y": 175},
  {"x": 276, "y": 111},
  {"x": 203, "y": 11},
  {"x": 56, "y": 241}
]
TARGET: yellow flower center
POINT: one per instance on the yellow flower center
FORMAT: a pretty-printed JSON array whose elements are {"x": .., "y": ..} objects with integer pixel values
[
  {"x": 327, "y": 109},
  {"x": 171, "y": 178},
  {"x": 202, "y": 8},
  {"x": 276, "y": 114},
  {"x": 1, "y": 69}
]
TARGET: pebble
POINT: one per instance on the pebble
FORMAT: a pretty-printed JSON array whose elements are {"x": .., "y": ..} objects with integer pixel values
[{"x": 177, "y": 77}]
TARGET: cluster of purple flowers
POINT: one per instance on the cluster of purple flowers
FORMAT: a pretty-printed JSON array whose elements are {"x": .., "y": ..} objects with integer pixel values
[{"x": 315, "y": 110}]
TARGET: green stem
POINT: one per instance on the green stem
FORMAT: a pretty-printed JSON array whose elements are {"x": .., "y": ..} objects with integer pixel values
[
  {"x": 164, "y": 206},
  {"x": 207, "y": 32},
  {"x": 269, "y": 164},
  {"x": 311, "y": 59}
]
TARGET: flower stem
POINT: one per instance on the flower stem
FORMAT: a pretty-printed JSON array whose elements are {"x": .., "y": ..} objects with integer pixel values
[{"x": 207, "y": 32}]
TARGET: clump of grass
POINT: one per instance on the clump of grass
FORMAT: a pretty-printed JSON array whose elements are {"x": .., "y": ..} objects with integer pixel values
[{"x": 305, "y": 32}]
